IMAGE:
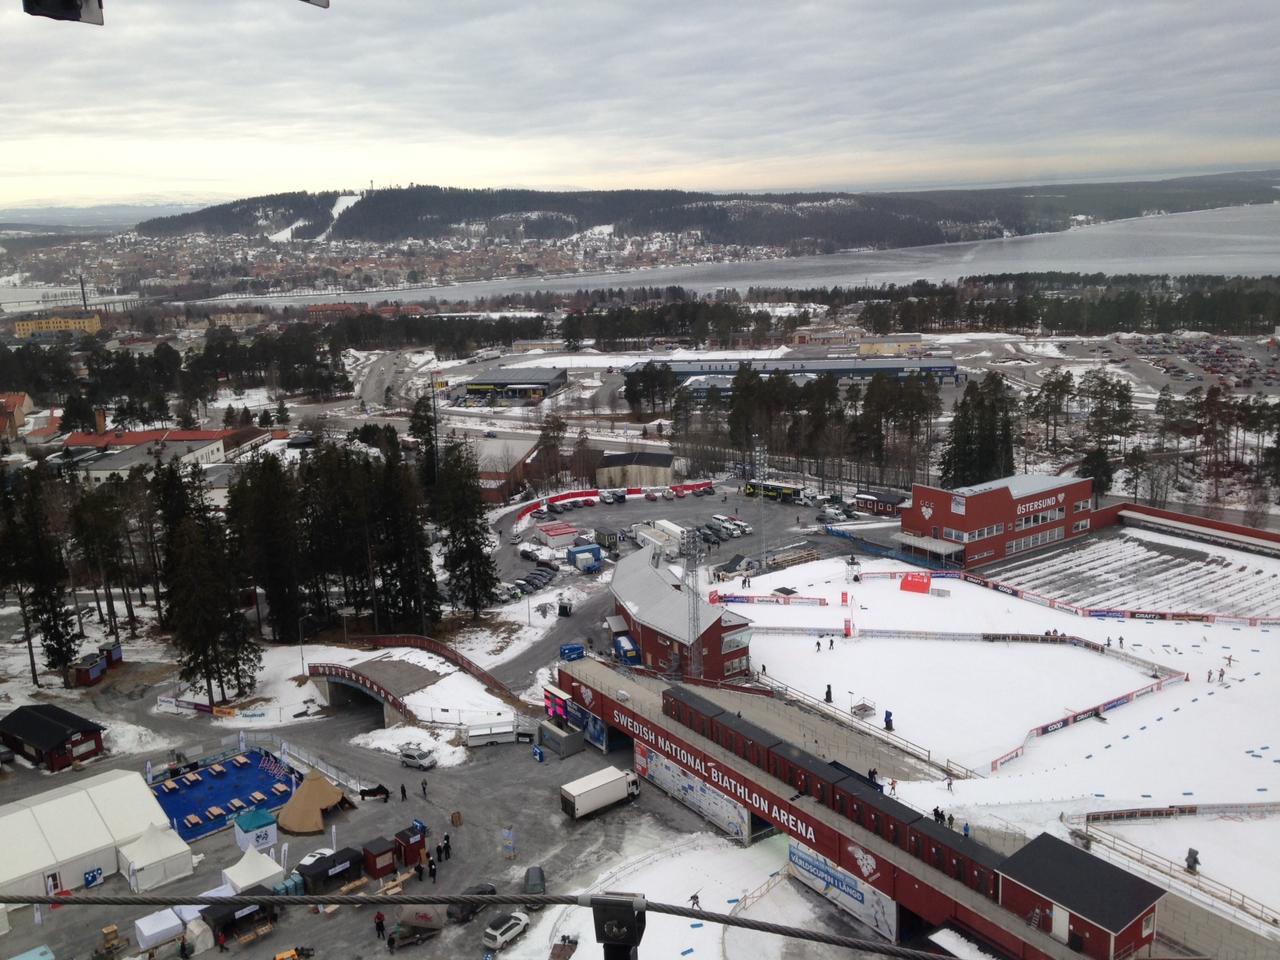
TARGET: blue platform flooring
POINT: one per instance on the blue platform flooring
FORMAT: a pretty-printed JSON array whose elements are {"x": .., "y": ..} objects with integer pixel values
[{"x": 218, "y": 790}]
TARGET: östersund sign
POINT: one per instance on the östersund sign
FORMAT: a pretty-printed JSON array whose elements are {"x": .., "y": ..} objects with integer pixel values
[
  {"x": 1041, "y": 503},
  {"x": 742, "y": 791}
]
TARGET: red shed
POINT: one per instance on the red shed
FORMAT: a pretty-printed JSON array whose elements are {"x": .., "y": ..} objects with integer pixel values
[
  {"x": 379, "y": 857},
  {"x": 1092, "y": 906},
  {"x": 409, "y": 842}
]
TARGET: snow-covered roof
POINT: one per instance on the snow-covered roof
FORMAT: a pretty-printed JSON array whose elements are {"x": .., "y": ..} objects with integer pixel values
[
  {"x": 647, "y": 593},
  {"x": 1019, "y": 486}
]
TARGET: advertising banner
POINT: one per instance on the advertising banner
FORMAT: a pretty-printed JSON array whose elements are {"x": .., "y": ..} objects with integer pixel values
[
  {"x": 846, "y": 891},
  {"x": 728, "y": 815},
  {"x": 1107, "y": 614},
  {"x": 1036, "y": 598}
]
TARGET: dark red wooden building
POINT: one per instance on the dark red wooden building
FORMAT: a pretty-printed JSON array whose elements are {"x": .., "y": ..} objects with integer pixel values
[
  {"x": 49, "y": 736},
  {"x": 1090, "y": 905}
]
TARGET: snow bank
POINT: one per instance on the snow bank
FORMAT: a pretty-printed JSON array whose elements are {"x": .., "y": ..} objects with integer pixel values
[{"x": 395, "y": 739}]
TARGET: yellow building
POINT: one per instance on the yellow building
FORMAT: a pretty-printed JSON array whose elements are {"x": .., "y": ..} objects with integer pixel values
[{"x": 89, "y": 323}]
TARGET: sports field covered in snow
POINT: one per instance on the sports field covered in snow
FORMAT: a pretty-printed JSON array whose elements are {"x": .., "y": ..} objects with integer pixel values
[
  {"x": 1131, "y": 569},
  {"x": 1200, "y": 741}
]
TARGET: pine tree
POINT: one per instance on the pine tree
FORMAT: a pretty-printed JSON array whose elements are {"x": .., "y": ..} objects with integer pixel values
[
  {"x": 282, "y": 412},
  {"x": 473, "y": 578},
  {"x": 263, "y": 518},
  {"x": 45, "y": 574},
  {"x": 422, "y": 425},
  {"x": 229, "y": 417}
]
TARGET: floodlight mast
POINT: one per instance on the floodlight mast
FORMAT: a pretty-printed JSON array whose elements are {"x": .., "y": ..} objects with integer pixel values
[{"x": 90, "y": 11}]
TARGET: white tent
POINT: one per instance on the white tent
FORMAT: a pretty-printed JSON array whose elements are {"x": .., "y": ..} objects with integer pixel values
[
  {"x": 157, "y": 928},
  {"x": 80, "y": 841},
  {"x": 190, "y": 911},
  {"x": 126, "y": 804},
  {"x": 254, "y": 867},
  {"x": 27, "y": 855},
  {"x": 199, "y": 936},
  {"x": 55, "y": 838},
  {"x": 155, "y": 858}
]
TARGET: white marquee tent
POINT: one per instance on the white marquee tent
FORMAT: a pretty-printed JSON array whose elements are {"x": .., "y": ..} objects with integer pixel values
[
  {"x": 26, "y": 852},
  {"x": 54, "y": 839},
  {"x": 253, "y": 868},
  {"x": 155, "y": 858}
]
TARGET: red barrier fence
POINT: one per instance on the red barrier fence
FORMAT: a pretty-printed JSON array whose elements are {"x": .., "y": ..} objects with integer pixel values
[{"x": 528, "y": 508}]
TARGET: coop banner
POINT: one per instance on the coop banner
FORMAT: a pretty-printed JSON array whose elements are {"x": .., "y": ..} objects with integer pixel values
[
  {"x": 916, "y": 583},
  {"x": 845, "y": 890},
  {"x": 701, "y": 797}
]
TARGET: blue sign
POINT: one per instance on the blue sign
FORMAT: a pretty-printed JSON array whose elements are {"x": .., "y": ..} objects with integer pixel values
[
  {"x": 93, "y": 877},
  {"x": 578, "y": 716},
  {"x": 537, "y": 754},
  {"x": 572, "y": 651}
]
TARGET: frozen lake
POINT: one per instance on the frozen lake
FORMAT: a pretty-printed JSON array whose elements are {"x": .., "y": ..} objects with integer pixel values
[{"x": 1241, "y": 241}]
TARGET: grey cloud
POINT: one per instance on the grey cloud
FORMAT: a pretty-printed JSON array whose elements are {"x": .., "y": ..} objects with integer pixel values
[{"x": 672, "y": 87}]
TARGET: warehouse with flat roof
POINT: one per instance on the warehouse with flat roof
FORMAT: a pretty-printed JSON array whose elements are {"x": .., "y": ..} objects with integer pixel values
[{"x": 507, "y": 387}]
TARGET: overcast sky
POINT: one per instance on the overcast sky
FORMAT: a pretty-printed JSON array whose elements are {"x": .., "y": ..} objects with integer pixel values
[{"x": 203, "y": 99}]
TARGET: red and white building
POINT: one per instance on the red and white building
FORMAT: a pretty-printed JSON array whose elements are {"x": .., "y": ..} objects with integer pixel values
[
  {"x": 650, "y": 597},
  {"x": 990, "y": 521}
]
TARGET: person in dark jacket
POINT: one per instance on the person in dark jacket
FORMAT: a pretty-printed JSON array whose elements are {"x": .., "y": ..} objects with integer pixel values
[
  {"x": 439, "y": 853},
  {"x": 448, "y": 853},
  {"x": 431, "y": 869},
  {"x": 417, "y": 868},
  {"x": 404, "y": 794}
]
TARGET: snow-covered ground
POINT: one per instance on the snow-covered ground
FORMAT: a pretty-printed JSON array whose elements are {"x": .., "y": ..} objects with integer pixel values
[
  {"x": 395, "y": 739},
  {"x": 522, "y": 623},
  {"x": 1195, "y": 742},
  {"x": 720, "y": 872},
  {"x": 1132, "y": 569},
  {"x": 1229, "y": 848}
]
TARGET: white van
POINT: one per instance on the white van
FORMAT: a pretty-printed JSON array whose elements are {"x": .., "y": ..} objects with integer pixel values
[{"x": 727, "y": 525}]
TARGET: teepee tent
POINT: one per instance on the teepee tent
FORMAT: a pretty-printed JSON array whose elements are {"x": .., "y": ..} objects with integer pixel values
[
  {"x": 304, "y": 813},
  {"x": 155, "y": 858},
  {"x": 255, "y": 867}
]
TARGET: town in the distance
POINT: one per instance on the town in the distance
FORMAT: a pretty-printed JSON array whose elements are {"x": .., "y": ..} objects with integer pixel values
[{"x": 936, "y": 613}]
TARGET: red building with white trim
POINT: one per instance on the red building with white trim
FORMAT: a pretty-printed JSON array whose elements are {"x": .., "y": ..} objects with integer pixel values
[
  {"x": 990, "y": 521},
  {"x": 651, "y": 598}
]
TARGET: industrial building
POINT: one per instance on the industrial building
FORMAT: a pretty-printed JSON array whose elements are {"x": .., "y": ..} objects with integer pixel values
[
  {"x": 89, "y": 323},
  {"x": 942, "y": 369},
  {"x": 509, "y": 387},
  {"x": 990, "y": 521},
  {"x": 636, "y": 468}
]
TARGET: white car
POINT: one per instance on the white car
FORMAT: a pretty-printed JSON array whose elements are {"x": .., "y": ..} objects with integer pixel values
[
  {"x": 315, "y": 855},
  {"x": 418, "y": 759},
  {"x": 504, "y": 930}
]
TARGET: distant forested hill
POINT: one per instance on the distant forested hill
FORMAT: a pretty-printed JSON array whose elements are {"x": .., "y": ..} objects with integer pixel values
[{"x": 806, "y": 222}]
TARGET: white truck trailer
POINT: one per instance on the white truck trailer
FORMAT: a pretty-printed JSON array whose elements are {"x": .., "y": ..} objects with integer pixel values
[{"x": 598, "y": 790}]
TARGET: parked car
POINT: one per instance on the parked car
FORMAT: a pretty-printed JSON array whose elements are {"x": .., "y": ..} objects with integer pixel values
[
  {"x": 313, "y": 856},
  {"x": 540, "y": 514},
  {"x": 535, "y": 882},
  {"x": 491, "y": 434},
  {"x": 463, "y": 912},
  {"x": 504, "y": 930},
  {"x": 556, "y": 507},
  {"x": 515, "y": 538},
  {"x": 546, "y": 564},
  {"x": 680, "y": 494},
  {"x": 707, "y": 536},
  {"x": 524, "y": 586},
  {"x": 606, "y": 496},
  {"x": 668, "y": 494},
  {"x": 528, "y": 553},
  {"x": 650, "y": 496},
  {"x": 417, "y": 758}
]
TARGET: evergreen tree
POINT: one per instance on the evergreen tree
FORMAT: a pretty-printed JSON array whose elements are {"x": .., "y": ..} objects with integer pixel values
[
  {"x": 473, "y": 579},
  {"x": 77, "y": 413},
  {"x": 1097, "y": 468},
  {"x": 264, "y": 418},
  {"x": 282, "y": 412},
  {"x": 422, "y": 425},
  {"x": 262, "y": 519},
  {"x": 229, "y": 417},
  {"x": 45, "y": 574}
]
